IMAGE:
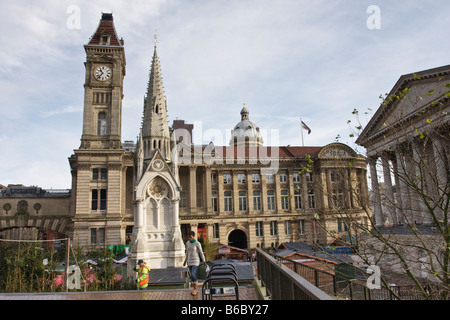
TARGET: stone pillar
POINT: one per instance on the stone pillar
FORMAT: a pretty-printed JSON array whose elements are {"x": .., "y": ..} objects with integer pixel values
[
  {"x": 440, "y": 172},
  {"x": 291, "y": 190},
  {"x": 376, "y": 198},
  {"x": 249, "y": 193},
  {"x": 390, "y": 205},
  {"x": 208, "y": 190},
  {"x": 326, "y": 188},
  {"x": 193, "y": 188},
  {"x": 263, "y": 193}
]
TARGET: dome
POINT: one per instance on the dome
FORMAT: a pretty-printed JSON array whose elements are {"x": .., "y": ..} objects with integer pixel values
[{"x": 246, "y": 132}]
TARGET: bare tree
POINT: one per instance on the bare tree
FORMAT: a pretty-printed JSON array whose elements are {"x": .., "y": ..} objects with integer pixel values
[{"x": 406, "y": 228}]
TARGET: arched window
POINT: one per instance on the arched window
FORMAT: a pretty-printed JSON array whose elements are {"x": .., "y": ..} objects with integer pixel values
[{"x": 101, "y": 124}]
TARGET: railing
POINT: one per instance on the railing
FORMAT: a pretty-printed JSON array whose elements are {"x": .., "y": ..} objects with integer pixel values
[
  {"x": 284, "y": 284},
  {"x": 352, "y": 289}
]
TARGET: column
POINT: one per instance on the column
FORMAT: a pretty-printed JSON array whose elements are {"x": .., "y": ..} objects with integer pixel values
[
  {"x": 220, "y": 201},
  {"x": 353, "y": 189},
  {"x": 376, "y": 199},
  {"x": 419, "y": 209},
  {"x": 440, "y": 172},
  {"x": 291, "y": 190},
  {"x": 208, "y": 190},
  {"x": 249, "y": 193},
  {"x": 235, "y": 192},
  {"x": 193, "y": 189},
  {"x": 389, "y": 193},
  {"x": 403, "y": 199},
  {"x": 263, "y": 192},
  {"x": 325, "y": 180},
  {"x": 277, "y": 192}
]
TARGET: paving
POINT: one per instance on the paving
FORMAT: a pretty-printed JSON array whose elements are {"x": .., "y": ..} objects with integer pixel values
[{"x": 245, "y": 293}]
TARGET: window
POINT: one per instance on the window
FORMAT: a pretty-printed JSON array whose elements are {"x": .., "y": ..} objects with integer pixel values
[
  {"x": 242, "y": 201},
  {"x": 298, "y": 199},
  {"x": 227, "y": 178},
  {"x": 338, "y": 199},
  {"x": 101, "y": 124},
  {"x": 283, "y": 177},
  {"x": 296, "y": 177},
  {"x": 102, "y": 98},
  {"x": 287, "y": 228},
  {"x": 269, "y": 178},
  {"x": 256, "y": 200},
  {"x": 335, "y": 176},
  {"x": 228, "y": 201},
  {"x": 270, "y": 200},
  {"x": 215, "y": 231},
  {"x": 214, "y": 202},
  {"x": 214, "y": 178},
  {"x": 301, "y": 227},
  {"x": 103, "y": 173},
  {"x": 97, "y": 236},
  {"x": 273, "y": 228},
  {"x": 242, "y": 178},
  {"x": 309, "y": 177},
  {"x": 104, "y": 39},
  {"x": 259, "y": 229},
  {"x": 183, "y": 202},
  {"x": 255, "y": 178},
  {"x": 342, "y": 225},
  {"x": 311, "y": 198},
  {"x": 284, "y": 199},
  {"x": 98, "y": 199}
]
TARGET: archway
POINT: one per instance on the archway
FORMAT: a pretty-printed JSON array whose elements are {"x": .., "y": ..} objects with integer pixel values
[{"x": 238, "y": 239}]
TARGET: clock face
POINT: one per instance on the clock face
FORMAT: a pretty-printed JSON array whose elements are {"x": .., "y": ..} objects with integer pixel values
[{"x": 102, "y": 73}]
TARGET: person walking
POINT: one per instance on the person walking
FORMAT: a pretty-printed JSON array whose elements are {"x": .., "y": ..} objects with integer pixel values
[
  {"x": 194, "y": 256},
  {"x": 143, "y": 275}
]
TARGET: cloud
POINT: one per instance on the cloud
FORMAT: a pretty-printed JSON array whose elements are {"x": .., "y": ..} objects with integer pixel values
[
  {"x": 285, "y": 59},
  {"x": 68, "y": 109}
]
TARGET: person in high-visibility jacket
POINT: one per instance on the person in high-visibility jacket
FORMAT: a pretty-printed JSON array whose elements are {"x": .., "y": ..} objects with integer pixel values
[{"x": 143, "y": 275}]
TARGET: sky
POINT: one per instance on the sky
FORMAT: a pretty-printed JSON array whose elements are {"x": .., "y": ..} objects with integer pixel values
[{"x": 285, "y": 59}]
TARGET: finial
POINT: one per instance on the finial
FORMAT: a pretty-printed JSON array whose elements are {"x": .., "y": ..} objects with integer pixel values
[{"x": 156, "y": 37}]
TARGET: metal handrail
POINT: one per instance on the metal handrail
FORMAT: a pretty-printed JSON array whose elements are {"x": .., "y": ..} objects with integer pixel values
[{"x": 284, "y": 284}]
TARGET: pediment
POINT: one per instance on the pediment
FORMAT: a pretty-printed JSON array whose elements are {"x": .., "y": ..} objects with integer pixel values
[
  {"x": 413, "y": 95},
  {"x": 336, "y": 150},
  {"x": 158, "y": 163}
]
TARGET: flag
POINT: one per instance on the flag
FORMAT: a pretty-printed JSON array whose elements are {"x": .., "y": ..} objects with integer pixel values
[{"x": 304, "y": 126}]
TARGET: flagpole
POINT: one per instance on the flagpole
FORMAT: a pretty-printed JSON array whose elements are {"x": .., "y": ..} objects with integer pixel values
[{"x": 301, "y": 129}]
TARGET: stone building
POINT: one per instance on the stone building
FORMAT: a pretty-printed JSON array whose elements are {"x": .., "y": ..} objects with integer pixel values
[
  {"x": 152, "y": 192},
  {"x": 409, "y": 139}
]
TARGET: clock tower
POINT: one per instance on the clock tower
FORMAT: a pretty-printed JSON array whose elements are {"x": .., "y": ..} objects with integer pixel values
[
  {"x": 103, "y": 88},
  {"x": 102, "y": 171}
]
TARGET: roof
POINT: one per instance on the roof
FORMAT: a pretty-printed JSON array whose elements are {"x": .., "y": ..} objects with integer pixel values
[
  {"x": 106, "y": 26},
  {"x": 287, "y": 249}
]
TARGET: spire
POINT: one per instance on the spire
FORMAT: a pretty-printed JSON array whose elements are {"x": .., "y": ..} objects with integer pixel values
[{"x": 155, "y": 127}]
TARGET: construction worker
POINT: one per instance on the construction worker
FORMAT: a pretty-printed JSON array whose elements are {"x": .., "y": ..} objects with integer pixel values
[{"x": 142, "y": 276}]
